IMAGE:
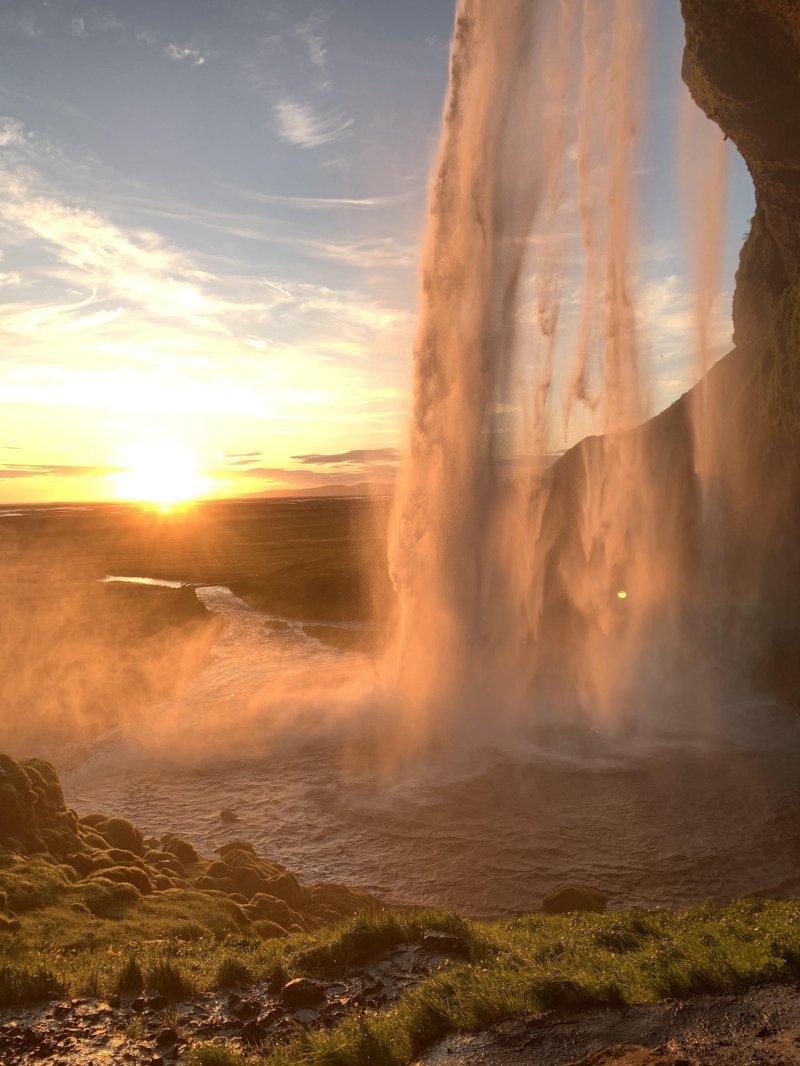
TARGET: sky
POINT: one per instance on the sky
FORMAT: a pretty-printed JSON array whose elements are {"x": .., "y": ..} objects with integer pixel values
[{"x": 209, "y": 238}]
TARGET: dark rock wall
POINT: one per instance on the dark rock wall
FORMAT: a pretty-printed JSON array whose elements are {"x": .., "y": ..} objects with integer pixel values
[{"x": 742, "y": 66}]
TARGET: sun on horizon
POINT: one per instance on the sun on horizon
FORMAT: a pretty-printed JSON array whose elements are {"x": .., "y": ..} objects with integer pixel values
[{"x": 163, "y": 473}]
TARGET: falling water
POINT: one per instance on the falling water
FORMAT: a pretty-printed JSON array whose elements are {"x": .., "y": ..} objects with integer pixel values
[{"x": 567, "y": 586}]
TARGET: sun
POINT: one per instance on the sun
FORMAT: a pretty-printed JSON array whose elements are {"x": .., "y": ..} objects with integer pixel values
[{"x": 161, "y": 473}]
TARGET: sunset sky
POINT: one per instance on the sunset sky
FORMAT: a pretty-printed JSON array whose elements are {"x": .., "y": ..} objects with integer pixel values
[{"x": 209, "y": 236}]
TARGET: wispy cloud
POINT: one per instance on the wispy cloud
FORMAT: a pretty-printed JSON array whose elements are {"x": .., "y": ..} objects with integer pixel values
[
  {"x": 10, "y": 471},
  {"x": 109, "y": 316},
  {"x": 355, "y": 455},
  {"x": 191, "y": 54},
  {"x": 327, "y": 203},
  {"x": 186, "y": 52},
  {"x": 299, "y": 124},
  {"x": 22, "y": 21},
  {"x": 310, "y": 33},
  {"x": 12, "y": 132}
]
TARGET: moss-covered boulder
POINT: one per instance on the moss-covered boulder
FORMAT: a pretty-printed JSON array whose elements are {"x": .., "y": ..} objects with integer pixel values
[
  {"x": 33, "y": 815},
  {"x": 181, "y": 849},
  {"x": 112, "y": 865},
  {"x": 117, "y": 833}
]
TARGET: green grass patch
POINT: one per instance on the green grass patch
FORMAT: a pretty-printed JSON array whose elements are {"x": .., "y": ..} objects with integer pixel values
[
  {"x": 540, "y": 962},
  {"x": 75, "y": 939}
]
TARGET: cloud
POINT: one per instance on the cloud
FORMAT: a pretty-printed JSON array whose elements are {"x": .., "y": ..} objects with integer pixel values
[
  {"x": 79, "y": 27},
  {"x": 20, "y": 470},
  {"x": 25, "y": 22},
  {"x": 298, "y": 124},
  {"x": 12, "y": 132},
  {"x": 179, "y": 52},
  {"x": 182, "y": 52},
  {"x": 326, "y": 203},
  {"x": 309, "y": 33},
  {"x": 111, "y": 316},
  {"x": 356, "y": 455}
]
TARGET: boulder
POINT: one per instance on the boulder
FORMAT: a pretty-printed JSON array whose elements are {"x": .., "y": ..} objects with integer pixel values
[
  {"x": 120, "y": 833},
  {"x": 569, "y": 899},
  {"x": 181, "y": 849},
  {"x": 302, "y": 992}
]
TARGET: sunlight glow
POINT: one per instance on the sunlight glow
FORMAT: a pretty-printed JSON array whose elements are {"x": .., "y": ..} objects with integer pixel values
[{"x": 163, "y": 473}]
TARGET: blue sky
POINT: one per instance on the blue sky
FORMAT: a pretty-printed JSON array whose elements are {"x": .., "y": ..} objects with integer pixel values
[{"x": 210, "y": 232}]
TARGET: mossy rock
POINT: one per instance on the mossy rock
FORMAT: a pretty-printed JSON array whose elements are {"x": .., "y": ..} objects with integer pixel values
[
  {"x": 164, "y": 860},
  {"x": 181, "y": 849},
  {"x": 92, "y": 819},
  {"x": 334, "y": 901},
  {"x": 120, "y": 833},
  {"x": 92, "y": 839},
  {"x": 81, "y": 862},
  {"x": 102, "y": 861},
  {"x": 252, "y": 875},
  {"x": 123, "y": 857},
  {"x": 268, "y": 930},
  {"x": 130, "y": 875},
  {"x": 103, "y": 896},
  {"x": 269, "y": 908}
]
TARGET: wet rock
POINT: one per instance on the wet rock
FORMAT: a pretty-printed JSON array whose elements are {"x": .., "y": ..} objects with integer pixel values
[
  {"x": 305, "y": 1016},
  {"x": 228, "y": 815},
  {"x": 436, "y": 940},
  {"x": 254, "y": 1032},
  {"x": 245, "y": 1009},
  {"x": 167, "y": 1038},
  {"x": 573, "y": 898},
  {"x": 302, "y": 992}
]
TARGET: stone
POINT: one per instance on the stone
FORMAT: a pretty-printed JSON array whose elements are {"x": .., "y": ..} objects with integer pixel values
[
  {"x": 437, "y": 940},
  {"x": 569, "y": 899},
  {"x": 254, "y": 1032},
  {"x": 302, "y": 992},
  {"x": 168, "y": 1037}
]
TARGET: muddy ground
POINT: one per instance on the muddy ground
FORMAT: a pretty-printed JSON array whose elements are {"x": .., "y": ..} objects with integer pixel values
[{"x": 758, "y": 1027}]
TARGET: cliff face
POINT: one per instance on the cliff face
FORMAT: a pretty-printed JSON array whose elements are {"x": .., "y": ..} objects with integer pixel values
[{"x": 742, "y": 66}]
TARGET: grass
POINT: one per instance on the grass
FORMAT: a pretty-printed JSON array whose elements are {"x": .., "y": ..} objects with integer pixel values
[
  {"x": 180, "y": 942},
  {"x": 539, "y": 962}
]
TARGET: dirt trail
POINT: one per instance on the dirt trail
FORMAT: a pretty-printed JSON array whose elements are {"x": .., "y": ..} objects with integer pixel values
[{"x": 757, "y": 1027}]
